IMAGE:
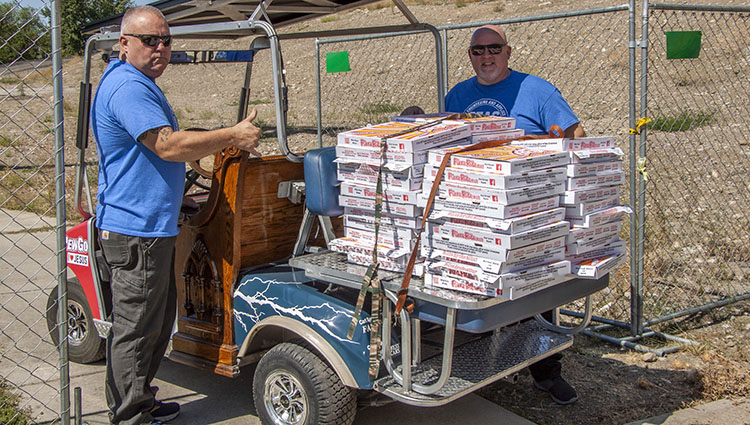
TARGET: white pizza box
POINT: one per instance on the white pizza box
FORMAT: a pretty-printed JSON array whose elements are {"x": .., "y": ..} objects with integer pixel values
[
  {"x": 489, "y": 124},
  {"x": 493, "y": 180},
  {"x": 510, "y": 285},
  {"x": 480, "y": 195},
  {"x": 356, "y": 214},
  {"x": 596, "y": 268},
  {"x": 512, "y": 259},
  {"x": 391, "y": 239},
  {"x": 575, "y": 197},
  {"x": 353, "y": 222},
  {"x": 513, "y": 134},
  {"x": 594, "y": 155},
  {"x": 408, "y": 179},
  {"x": 492, "y": 211},
  {"x": 585, "y": 208},
  {"x": 500, "y": 241},
  {"x": 588, "y": 169},
  {"x": 582, "y": 233},
  {"x": 489, "y": 265},
  {"x": 389, "y": 207},
  {"x": 369, "y": 192},
  {"x": 602, "y": 216},
  {"x": 392, "y": 160},
  {"x": 504, "y": 159},
  {"x": 507, "y": 226},
  {"x": 558, "y": 144},
  {"x": 347, "y": 245},
  {"x": 612, "y": 248},
  {"x": 582, "y": 246},
  {"x": 598, "y": 180},
  {"x": 383, "y": 263},
  {"x": 414, "y": 141}
]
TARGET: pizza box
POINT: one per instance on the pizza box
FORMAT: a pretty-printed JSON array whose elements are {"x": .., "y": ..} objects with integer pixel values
[
  {"x": 491, "y": 211},
  {"x": 392, "y": 238},
  {"x": 493, "y": 180},
  {"x": 509, "y": 285},
  {"x": 587, "y": 169},
  {"x": 612, "y": 248},
  {"x": 364, "y": 216},
  {"x": 583, "y": 246},
  {"x": 383, "y": 263},
  {"x": 558, "y": 144},
  {"x": 347, "y": 245},
  {"x": 489, "y": 265},
  {"x": 599, "y": 180},
  {"x": 575, "y": 197},
  {"x": 594, "y": 155},
  {"x": 585, "y": 208},
  {"x": 413, "y": 141},
  {"x": 389, "y": 207},
  {"x": 582, "y": 233},
  {"x": 485, "y": 196},
  {"x": 512, "y": 259},
  {"x": 596, "y": 268},
  {"x": 507, "y": 226},
  {"x": 602, "y": 216},
  {"x": 392, "y": 160},
  {"x": 369, "y": 192},
  {"x": 353, "y": 222},
  {"x": 408, "y": 179},
  {"x": 495, "y": 240},
  {"x": 513, "y": 134},
  {"x": 504, "y": 159}
]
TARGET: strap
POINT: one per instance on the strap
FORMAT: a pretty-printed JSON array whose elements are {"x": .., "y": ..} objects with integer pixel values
[{"x": 555, "y": 132}]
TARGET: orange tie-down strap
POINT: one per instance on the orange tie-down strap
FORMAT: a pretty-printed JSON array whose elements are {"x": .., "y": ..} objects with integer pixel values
[{"x": 555, "y": 132}]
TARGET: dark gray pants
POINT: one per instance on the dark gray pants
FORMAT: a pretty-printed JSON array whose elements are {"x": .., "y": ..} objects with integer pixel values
[{"x": 144, "y": 302}]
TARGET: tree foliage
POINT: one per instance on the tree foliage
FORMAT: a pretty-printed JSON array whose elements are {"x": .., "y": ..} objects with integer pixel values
[
  {"x": 23, "y": 33},
  {"x": 76, "y": 14}
]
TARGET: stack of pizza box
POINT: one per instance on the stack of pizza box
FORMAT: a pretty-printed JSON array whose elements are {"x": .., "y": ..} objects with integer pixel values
[
  {"x": 496, "y": 227},
  {"x": 359, "y": 161},
  {"x": 591, "y": 199},
  {"x": 482, "y": 129}
]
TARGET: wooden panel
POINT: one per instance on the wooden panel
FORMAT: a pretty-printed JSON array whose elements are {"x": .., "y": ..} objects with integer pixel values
[{"x": 269, "y": 224}]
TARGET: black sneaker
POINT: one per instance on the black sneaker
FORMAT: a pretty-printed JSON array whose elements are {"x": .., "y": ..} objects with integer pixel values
[
  {"x": 560, "y": 391},
  {"x": 165, "y": 412}
]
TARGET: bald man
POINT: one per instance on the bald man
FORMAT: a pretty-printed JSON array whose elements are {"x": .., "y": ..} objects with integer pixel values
[
  {"x": 497, "y": 90},
  {"x": 536, "y": 105},
  {"x": 142, "y": 158}
]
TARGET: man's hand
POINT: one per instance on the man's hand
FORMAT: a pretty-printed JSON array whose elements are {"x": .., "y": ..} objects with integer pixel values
[{"x": 247, "y": 135}]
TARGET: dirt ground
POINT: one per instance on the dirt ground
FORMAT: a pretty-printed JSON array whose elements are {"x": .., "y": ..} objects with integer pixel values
[{"x": 615, "y": 385}]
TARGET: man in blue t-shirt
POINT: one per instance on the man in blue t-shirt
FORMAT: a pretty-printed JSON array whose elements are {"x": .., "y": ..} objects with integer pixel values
[
  {"x": 536, "y": 105},
  {"x": 499, "y": 91},
  {"x": 142, "y": 158}
]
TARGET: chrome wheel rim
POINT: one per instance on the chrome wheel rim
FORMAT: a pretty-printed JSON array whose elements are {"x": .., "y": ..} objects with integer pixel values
[
  {"x": 77, "y": 324},
  {"x": 285, "y": 399}
]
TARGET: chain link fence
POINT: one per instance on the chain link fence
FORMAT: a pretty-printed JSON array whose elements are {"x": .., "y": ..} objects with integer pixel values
[
  {"x": 697, "y": 229},
  {"x": 30, "y": 133}
]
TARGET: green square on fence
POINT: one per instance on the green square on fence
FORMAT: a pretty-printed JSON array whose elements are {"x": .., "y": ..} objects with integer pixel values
[
  {"x": 337, "y": 62},
  {"x": 683, "y": 44}
]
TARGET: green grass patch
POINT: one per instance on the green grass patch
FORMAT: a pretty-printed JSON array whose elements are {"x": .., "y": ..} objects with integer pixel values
[
  {"x": 9, "y": 80},
  {"x": 5, "y": 142},
  {"x": 207, "y": 115},
  {"x": 683, "y": 121},
  {"x": 10, "y": 414},
  {"x": 259, "y": 102},
  {"x": 381, "y": 108},
  {"x": 332, "y": 18}
]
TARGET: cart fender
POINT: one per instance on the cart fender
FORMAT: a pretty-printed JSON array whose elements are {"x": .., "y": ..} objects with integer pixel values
[{"x": 271, "y": 305}]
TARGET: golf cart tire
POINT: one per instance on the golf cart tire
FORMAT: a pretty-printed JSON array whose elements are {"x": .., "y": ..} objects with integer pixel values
[
  {"x": 85, "y": 346},
  {"x": 302, "y": 379}
]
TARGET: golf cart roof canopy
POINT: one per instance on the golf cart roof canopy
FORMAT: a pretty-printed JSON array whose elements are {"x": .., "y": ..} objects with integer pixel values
[{"x": 277, "y": 12}]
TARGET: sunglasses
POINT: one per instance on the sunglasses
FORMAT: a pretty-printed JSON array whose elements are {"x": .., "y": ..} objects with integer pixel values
[
  {"x": 494, "y": 49},
  {"x": 152, "y": 40}
]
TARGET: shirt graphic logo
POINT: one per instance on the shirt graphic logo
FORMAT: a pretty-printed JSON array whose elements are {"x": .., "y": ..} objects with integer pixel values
[{"x": 488, "y": 106}]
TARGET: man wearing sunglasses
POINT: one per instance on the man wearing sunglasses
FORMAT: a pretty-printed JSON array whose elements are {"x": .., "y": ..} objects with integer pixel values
[
  {"x": 536, "y": 105},
  {"x": 142, "y": 158},
  {"x": 500, "y": 91}
]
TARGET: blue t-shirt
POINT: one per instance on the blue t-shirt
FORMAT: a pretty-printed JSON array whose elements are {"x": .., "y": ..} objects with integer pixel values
[
  {"x": 139, "y": 193},
  {"x": 533, "y": 102}
]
